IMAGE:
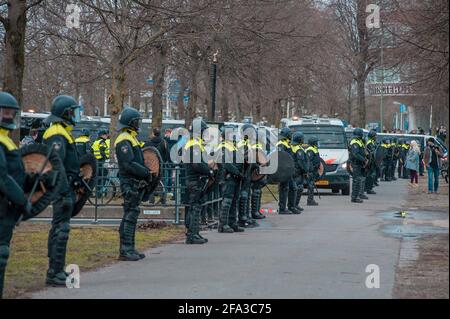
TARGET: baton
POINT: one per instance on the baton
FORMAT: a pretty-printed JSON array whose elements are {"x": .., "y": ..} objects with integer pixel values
[{"x": 38, "y": 179}]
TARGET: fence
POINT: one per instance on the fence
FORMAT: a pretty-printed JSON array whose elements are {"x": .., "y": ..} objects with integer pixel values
[{"x": 168, "y": 194}]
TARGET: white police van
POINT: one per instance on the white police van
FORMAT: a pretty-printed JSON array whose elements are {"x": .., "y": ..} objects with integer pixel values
[{"x": 333, "y": 150}]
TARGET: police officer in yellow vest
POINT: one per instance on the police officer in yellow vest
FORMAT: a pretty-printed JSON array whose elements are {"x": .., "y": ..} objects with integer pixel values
[
  {"x": 284, "y": 144},
  {"x": 64, "y": 115},
  {"x": 229, "y": 180},
  {"x": 101, "y": 146},
  {"x": 133, "y": 174},
  {"x": 359, "y": 162},
  {"x": 371, "y": 177},
  {"x": 312, "y": 153},
  {"x": 245, "y": 146},
  {"x": 387, "y": 160},
  {"x": 12, "y": 176},
  {"x": 403, "y": 150},
  {"x": 101, "y": 149},
  {"x": 197, "y": 175},
  {"x": 301, "y": 166},
  {"x": 83, "y": 143}
]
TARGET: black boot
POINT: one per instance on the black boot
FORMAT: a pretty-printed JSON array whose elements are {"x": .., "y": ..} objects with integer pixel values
[
  {"x": 362, "y": 196},
  {"x": 284, "y": 211},
  {"x": 127, "y": 251},
  {"x": 256, "y": 204},
  {"x": 225, "y": 229},
  {"x": 371, "y": 192},
  {"x": 56, "y": 276},
  {"x": 357, "y": 200},
  {"x": 193, "y": 236},
  {"x": 237, "y": 229},
  {"x": 312, "y": 202}
]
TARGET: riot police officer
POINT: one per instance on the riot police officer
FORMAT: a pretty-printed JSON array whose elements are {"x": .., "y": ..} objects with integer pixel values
[
  {"x": 371, "y": 174},
  {"x": 134, "y": 177},
  {"x": 257, "y": 186},
  {"x": 83, "y": 143},
  {"x": 284, "y": 145},
  {"x": 12, "y": 177},
  {"x": 312, "y": 153},
  {"x": 359, "y": 161},
  {"x": 404, "y": 148},
  {"x": 64, "y": 115},
  {"x": 387, "y": 160},
  {"x": 395, "y": 157},
  {"x": 198, "y": 173},
  {"x": 245, "y": 147},
  {"x": 301, "y": 166},
  {"x": 229, "y": 179}
]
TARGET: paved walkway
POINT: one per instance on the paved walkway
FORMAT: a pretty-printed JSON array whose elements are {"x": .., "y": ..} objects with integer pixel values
[{"x": 322, "y": 253}]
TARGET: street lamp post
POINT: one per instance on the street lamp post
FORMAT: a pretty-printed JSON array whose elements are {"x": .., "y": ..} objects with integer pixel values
[
  {"x": 213, "y": 85},
  {"x": 382, "y": 83}
]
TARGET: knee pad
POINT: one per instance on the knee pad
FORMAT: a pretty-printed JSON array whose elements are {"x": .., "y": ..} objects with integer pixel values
[
  {"x": 62, "y": 233},
  {"x": 4, "y": 255}
]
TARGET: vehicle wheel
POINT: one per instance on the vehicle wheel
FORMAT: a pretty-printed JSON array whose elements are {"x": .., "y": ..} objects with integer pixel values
[
  {"x": 346, "y": 190},
  {"x": 335, "y": 190}
]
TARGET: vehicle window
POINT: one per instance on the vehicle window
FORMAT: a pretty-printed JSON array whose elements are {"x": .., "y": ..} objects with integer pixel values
[{"x": 330, "y": 137}]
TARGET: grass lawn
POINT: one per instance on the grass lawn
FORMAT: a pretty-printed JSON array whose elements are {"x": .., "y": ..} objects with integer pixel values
[
  {"x": 89, "y": 248},
  {"x": 267, "y": 198}
]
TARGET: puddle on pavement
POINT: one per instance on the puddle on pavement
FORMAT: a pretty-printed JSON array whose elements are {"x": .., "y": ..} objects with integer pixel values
[
  {"x": 413, "y": 224},
  {"x": 414, "y": 215},
  {"x": 411, "y": 230}
]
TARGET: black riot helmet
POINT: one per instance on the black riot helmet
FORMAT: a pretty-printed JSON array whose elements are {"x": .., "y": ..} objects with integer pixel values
[
  {"x": 9, "y": 110},
  {"x": 313, "y": 141},
  {"x": 130, "y": 118},
  {"x": 358, "y": 132},
  {"x": 85, "y": 132},
  {"x": 297, "y": 138},
  {"x": 372, "y": 134},
  {"x": 64, "y": 109},
  {"x": 286, "y": 133},
  {"x": 103, "y": 132}
]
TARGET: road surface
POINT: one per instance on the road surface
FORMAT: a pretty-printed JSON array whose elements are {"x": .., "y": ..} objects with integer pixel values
[{"x": 322, "y": 253}]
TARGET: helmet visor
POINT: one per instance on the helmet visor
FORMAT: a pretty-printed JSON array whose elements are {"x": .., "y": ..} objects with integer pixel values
[{"x": 9, "y": 118}]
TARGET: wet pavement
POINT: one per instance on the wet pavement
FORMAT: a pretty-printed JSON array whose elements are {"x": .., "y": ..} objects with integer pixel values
[{"x": 322, "y": 253}]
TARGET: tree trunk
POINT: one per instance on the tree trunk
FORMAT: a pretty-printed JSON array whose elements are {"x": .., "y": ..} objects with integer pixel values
[
  {"x": 180, "y": 100},
  {"x": 158, "y": 86},
  {"x": 191, "y": 109},
  {"x": 225, "y": 106},
  {"x": 15, "y": 52},
  {"x": 116, "y": 98},
  {"x": 361, "y": 102}
]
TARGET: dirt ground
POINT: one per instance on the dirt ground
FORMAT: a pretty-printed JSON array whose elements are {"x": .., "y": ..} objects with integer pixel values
[{"x": 428, "y": 276}]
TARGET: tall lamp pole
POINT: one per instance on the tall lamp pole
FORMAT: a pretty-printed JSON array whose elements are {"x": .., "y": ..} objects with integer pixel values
[
  {"x": 213, "y": 86},
  {"x": 382, "y": 83}
]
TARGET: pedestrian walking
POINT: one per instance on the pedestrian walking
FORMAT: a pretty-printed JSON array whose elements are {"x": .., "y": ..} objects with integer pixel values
[
  {"x": 413, "y": 163},
  {"x": 431, "y": 159}
]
